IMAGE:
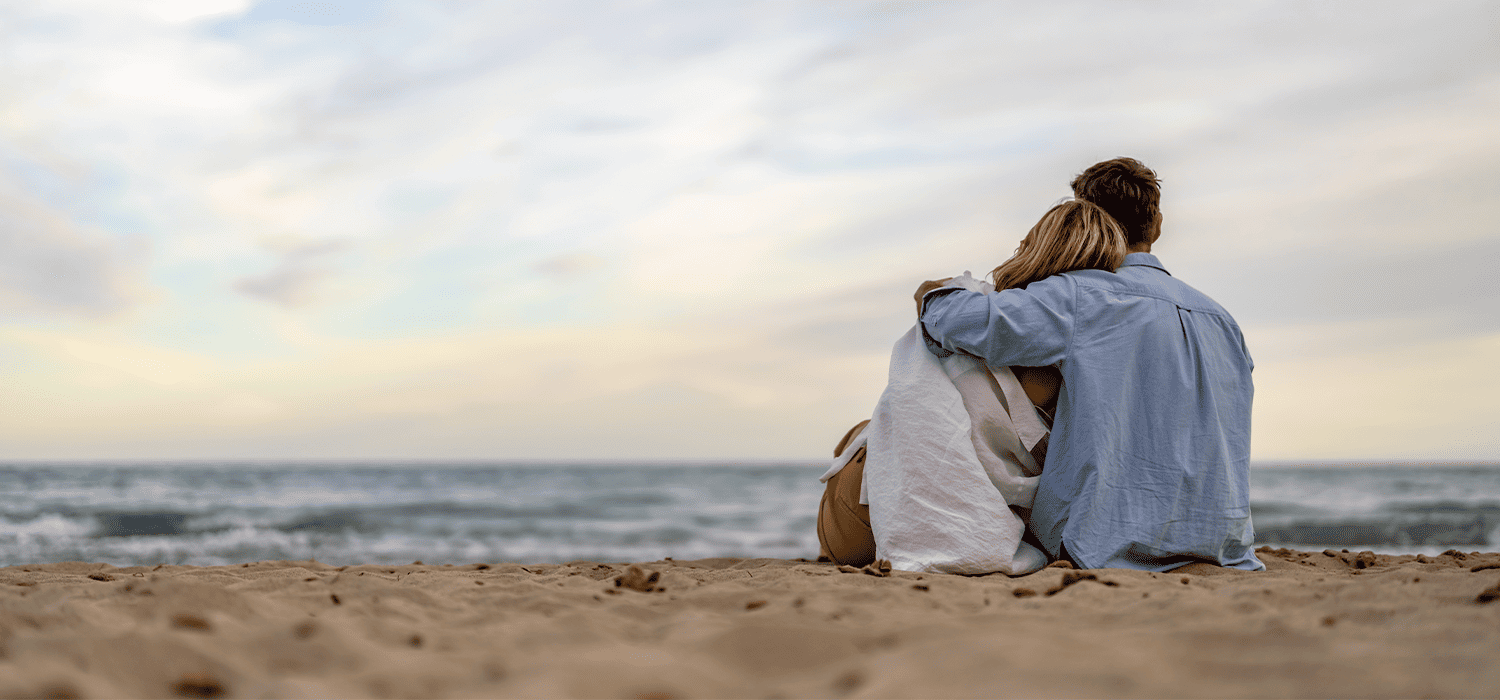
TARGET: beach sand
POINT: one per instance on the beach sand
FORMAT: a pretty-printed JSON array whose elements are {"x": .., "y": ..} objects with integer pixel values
[{"x": 1325, "y": 624}]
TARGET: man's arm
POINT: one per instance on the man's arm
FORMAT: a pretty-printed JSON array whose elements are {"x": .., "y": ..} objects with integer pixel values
[
  {"x": 1031, "y": 327},
  {"x": 922, "y": 291}
]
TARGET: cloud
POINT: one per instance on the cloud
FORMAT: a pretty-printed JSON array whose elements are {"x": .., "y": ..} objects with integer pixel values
[
  {"x": 50, "y": 266},
  {"x": 315, "y": 12},
  {"x": 569, "y": 265},
  {"x": 717, "y": 206},
  {"x": 180, "y": 11},
  {"x": 294, "y": 281}
]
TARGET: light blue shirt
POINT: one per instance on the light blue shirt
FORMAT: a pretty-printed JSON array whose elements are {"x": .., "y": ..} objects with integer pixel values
[{"x": 1148, "y": 466}]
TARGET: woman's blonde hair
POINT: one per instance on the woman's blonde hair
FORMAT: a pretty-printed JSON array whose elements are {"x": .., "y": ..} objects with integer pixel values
[{"x": 1074, "y": 235}]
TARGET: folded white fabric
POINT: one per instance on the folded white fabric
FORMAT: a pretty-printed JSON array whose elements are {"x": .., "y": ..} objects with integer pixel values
[{"x": 946, "y": 460}]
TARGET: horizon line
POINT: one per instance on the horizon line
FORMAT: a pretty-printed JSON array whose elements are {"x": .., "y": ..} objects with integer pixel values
[{"x": 629, "y": 462}]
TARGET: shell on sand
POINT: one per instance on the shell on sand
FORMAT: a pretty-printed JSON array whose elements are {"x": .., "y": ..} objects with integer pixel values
[{"x": 1316, "y": 624}]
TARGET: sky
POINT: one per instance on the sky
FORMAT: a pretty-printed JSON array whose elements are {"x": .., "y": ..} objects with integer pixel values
[{"x": 557, "y": 230}]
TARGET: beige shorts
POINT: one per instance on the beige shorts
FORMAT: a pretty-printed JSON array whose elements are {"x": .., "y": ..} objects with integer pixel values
[{"x": 844, "y": 533}]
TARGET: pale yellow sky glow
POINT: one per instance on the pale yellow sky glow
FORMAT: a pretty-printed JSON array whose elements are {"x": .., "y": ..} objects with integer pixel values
[{"x": 558, "y": 230}]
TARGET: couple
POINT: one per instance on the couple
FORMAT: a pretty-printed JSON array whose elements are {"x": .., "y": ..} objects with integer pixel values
[{"x": 1088, "y": 406}]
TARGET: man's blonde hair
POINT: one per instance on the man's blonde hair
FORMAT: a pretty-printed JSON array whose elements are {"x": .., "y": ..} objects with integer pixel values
[{"x": 1074, "y": 235}]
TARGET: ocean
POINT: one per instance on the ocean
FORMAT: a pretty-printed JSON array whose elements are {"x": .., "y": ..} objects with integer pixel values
[{"x": 213, "y": 514}]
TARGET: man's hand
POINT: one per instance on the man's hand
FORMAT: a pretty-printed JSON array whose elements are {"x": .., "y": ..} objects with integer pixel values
[{"x": 926, "y": 287}]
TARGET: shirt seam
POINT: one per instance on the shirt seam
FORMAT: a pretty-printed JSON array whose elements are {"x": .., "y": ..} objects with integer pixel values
[
  {"x": 1072, "y": 318},
  {"x": 1158, "y": 297}
]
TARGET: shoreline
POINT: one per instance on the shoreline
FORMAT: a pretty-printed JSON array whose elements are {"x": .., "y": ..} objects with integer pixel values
[{"x": 1315, "y": 624}]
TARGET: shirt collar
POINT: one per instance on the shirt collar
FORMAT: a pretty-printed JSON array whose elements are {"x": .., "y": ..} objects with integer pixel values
[{"x": 1143, "y": 260}]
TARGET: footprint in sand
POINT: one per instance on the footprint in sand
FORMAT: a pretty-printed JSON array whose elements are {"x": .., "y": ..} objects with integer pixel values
[
  {"x": 1071, "y": 577},
  {"x": 198, "y": 685},
  {"x": 1488, "y": 595},
  {"x": 636, "y": 579},
  {"x": 190, "y": 621}
]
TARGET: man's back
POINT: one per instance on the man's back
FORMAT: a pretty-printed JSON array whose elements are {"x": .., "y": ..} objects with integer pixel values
[{"x": 1148, "y": 464}]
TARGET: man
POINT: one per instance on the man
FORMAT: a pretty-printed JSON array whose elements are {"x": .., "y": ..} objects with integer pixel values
[{"x": 1148, "y": 464}]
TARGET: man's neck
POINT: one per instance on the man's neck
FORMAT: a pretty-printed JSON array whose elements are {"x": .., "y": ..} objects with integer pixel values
[{"x": 1139, "y": 248}]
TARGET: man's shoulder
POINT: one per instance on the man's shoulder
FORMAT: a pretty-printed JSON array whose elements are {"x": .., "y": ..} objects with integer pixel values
[
  {"x": 1190, "y": 298},
  {"x": 1148, "y": 282}
]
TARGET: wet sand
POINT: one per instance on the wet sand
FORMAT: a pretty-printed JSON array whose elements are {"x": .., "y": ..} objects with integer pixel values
[{"x": 1316, "y": 624}]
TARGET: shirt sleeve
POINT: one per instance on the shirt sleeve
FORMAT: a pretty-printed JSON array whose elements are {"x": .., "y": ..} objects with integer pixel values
[{"x": 1031, "y": 327}]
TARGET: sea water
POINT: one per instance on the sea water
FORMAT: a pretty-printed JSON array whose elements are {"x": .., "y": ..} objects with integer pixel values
[{"x": 212, "y": 514}]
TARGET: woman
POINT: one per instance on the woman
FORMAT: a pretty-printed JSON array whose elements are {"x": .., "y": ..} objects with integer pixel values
[{"x": 1074, "y": 235}]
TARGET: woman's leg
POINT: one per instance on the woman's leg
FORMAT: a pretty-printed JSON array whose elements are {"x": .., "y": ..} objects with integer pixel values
[{"x": 844, "y": 533}]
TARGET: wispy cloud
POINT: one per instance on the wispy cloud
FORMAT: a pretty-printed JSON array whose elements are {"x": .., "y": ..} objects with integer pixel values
[
  {"x": 294, "y": 280},
  {"x": 49, "y": 266}
]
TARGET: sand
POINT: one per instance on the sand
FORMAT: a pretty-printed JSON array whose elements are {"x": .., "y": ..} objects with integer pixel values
[{"x": 1324, "y": 624}]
